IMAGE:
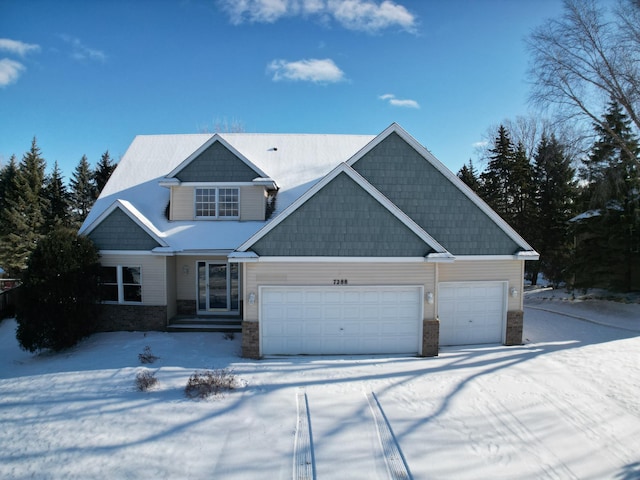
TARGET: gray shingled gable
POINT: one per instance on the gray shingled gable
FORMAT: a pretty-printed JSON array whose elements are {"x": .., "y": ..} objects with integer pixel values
[
  {"x": 412, "y": 183},
  {"x": 217, "y": 164},
  {"x": 119, "y": 232},
  {"x": 341, "y": 219}
]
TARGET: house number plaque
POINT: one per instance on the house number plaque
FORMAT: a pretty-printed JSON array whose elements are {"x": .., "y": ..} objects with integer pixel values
[{"x": 340, "y": 281}]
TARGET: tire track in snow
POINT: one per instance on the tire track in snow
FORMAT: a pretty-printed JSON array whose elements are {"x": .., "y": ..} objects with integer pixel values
[
  {"x": 586, "y": 420},
  {"x": 393, "y": 457},
  {"x": 303, "y": 460},
  {"x": 514, "y": 431}
]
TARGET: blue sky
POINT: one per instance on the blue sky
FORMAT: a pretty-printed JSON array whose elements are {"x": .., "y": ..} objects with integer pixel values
[{"x": 87, "y": 76}]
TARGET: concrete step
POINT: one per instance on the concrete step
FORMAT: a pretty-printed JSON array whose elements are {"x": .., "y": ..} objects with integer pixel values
[{"x": 205, "y": 324}]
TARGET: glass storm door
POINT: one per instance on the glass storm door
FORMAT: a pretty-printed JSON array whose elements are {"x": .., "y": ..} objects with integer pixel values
[{"x": 217, "y": 287}]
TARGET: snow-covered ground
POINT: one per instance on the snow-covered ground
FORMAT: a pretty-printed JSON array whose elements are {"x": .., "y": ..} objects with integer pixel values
[{"x": 564, "y": 405}]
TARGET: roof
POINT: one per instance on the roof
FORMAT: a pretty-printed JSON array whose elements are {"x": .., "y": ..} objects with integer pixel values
[
  {"x": 295, "y": 161},
  {"x": 301, "y": 165}
]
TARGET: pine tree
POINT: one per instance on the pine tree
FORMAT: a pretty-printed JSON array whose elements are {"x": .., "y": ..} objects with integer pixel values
[
  {"x": 82, "y": 190},
  {"x": 24, "y": 222},
  {"x": 555, "y": 206},
  {"x": 610, "y": 235},
  {"x": 495, "y": 188},
  {"x": 8, "y": 191},
  {"x": 104, "y": 169},
  {"x": 55, "y": 191},
  {"x": 469, "y": 175}
]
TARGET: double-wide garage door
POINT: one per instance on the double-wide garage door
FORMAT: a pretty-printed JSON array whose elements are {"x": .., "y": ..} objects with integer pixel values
[
  {"x": 340, "y": 320},
  {"x": 471, "y": 312}
]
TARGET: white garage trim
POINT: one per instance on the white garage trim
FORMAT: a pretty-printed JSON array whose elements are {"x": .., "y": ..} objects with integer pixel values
[
  {"x": 472, "y": 312},
  {"x": 341, "y": 319}
]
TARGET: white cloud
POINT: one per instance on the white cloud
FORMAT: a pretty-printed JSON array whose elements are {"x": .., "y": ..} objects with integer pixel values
[
  {"x": 361, "y": 15},
  {"x": 79, "y": 51},
  {"x": 481, "y": 144},
  {"x": 17, "y": 47},
  {"x": 398, "y": 102},
  {"x": 10, "y": 71},
  {"x": 312, "y": 70}
]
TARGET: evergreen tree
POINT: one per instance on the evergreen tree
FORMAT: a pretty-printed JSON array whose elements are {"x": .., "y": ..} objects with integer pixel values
[
  {"x": 25, "y": 214},
  {"x": 469, "y": 175},
  {"x": 104, "y": 169},
  {"x": 495, "y": 188},
  {"x": 60, "y": 292},
  {"x": 83, "y": 190},
  {"x": 58, "y": 212},
  {"x": 8, "y": 191},
  {"x": 555, "y": 206},
  {"x": 521, "y": 192},
  {"x": 610, "y": 233}
]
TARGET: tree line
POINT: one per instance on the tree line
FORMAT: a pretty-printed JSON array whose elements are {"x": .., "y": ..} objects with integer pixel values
[
  {"x": 35, "y": 203},
  {"x": 581, "y": 214}
]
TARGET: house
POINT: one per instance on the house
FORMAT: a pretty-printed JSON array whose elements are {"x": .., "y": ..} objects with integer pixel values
[{"x": 315, "y": 244}]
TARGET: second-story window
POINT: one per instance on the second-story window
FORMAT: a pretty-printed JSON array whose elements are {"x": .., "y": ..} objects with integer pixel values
[{"x": 217, "y": 202}]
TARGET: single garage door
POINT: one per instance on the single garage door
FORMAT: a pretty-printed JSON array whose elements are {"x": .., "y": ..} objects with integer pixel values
[
  {"x": 471, "y": 312},
  {"x": 340, "y": 320}
]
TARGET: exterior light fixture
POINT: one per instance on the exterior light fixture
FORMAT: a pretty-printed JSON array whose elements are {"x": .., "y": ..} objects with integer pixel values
[
  {"x": 252, "y": 298},
  {"x": 185, "y": 269},
  {"x": 513, "y": 291},
  {"x": 429, "y": 298}
]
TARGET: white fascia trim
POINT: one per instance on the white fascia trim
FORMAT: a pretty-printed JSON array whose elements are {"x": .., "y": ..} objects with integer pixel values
[
  {"x": 217, "y": 184},
  {"x": 169, "y": 182},
  {"x": 204, "y": 253},
  {"x": 395, "y": 128},
  {"x": 362, "y": 182},
  {"x": 216, "y": 138},
  {"x": 440, "y": 258},
  {"x": 140, "y": 253},
  {"x": 336, "y": 259},
  {"x": 134, "y": 214},
  {"x": 475, "y": 258}
]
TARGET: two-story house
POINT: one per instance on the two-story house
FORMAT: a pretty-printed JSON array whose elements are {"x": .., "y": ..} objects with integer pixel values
[{"x": 315, "y": 244}]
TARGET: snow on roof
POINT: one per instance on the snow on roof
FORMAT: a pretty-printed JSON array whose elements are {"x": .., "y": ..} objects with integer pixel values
[{"x": 294, "y": 161}]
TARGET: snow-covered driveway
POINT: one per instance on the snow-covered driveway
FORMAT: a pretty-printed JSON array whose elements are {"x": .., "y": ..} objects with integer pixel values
[{"x": 564, "y": 405}]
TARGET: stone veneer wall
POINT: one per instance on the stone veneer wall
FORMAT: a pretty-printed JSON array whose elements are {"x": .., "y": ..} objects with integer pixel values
[
  {"x": 515, "y": 322},
  {"x": 113, "y": 318},
  {"x": 251, "y": 340},
  {"x": 430, "y": 337}
]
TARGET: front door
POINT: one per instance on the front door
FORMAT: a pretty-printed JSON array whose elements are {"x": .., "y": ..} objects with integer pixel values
[{"x": 217, "y": 287}]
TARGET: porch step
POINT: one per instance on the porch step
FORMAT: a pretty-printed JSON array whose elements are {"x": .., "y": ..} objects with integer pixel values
[{"x": 205, "y": 324}]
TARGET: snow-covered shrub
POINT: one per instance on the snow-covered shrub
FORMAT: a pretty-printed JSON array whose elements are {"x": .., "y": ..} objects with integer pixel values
[
  {"x": 147, "y": 356},
  {"x": 145, "y": 380},
  {"x": 210, "y": 382}
]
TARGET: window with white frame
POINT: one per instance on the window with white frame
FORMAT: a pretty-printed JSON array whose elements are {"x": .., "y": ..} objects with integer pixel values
[
  {"x": 217, "y": 202},
  {"x": 121, "y": 284}
]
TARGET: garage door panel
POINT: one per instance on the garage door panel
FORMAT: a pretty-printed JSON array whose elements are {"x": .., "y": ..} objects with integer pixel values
[
  {"x": 340, "y": 320},
  {"x": 471, "y": 312}
]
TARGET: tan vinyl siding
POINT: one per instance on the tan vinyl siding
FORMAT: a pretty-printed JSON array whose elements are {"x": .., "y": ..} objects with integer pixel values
[
  {"x": 258, "y": 274},
  {"x": 154, "y": 285},
  {"x": 182, "y": 203},
  {"x": 468, "y": 271},
  {"x": 171, "y": 286},
  {"x": 185, "y": 275},
  {"x": 252, "y": 202}
]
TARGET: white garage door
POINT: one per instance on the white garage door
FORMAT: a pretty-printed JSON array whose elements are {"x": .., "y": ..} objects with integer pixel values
[
  {"x": 340, "y": 320},
  {"x": 471, "y": 312}
]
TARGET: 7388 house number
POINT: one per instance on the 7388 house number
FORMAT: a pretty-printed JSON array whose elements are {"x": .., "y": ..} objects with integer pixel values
[{"x": 340, "y": 281}]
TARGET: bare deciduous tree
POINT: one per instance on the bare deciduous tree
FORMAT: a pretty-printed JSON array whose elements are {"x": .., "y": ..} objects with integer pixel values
[{"x": 587, "y": 58}]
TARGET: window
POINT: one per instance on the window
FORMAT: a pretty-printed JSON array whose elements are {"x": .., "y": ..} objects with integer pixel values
[
  {"x": 121, "y": 284},
  {"x": 217, "y": 202}
]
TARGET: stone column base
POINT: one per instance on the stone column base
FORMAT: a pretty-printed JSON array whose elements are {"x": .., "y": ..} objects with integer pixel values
[
  {"x": 251, "y": 340},
  {"x": 430, "y": 337},
  {"x": 515, "y": 322}
]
